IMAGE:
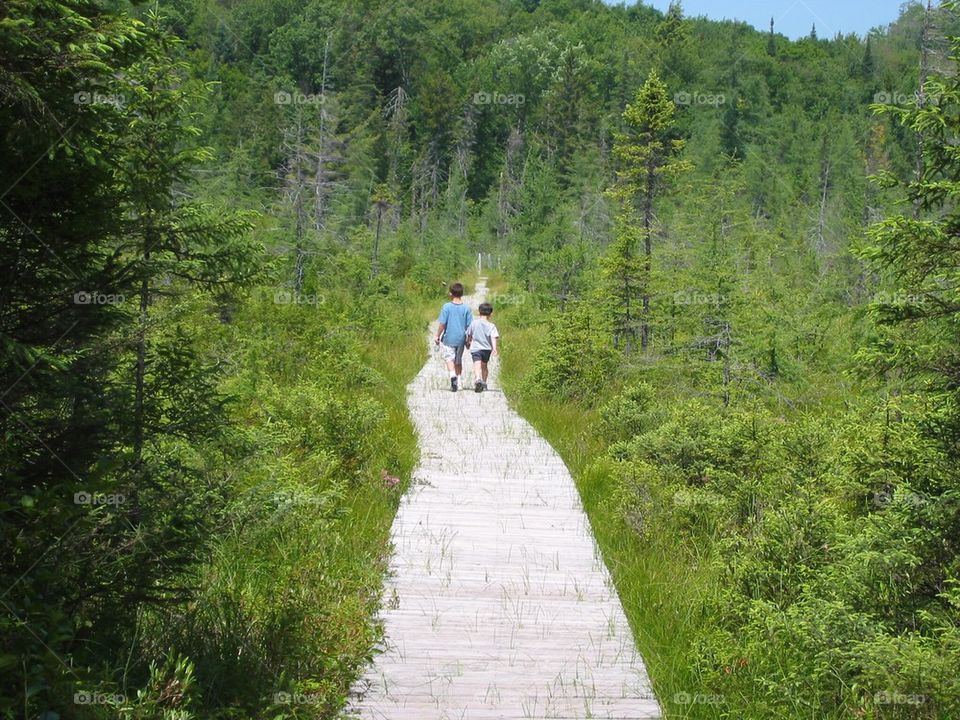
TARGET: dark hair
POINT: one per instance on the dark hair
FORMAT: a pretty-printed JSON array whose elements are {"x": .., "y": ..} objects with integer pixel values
[
  {"x": 486, "y": 309},
  {"x": 456, "y": 289}
]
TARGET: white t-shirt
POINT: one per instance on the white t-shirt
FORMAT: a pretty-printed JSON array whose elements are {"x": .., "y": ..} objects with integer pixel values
[{"x": 482, "y": 332}]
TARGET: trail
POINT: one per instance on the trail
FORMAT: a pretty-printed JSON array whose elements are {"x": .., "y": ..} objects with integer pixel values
[{"x": 498, "y": 604}]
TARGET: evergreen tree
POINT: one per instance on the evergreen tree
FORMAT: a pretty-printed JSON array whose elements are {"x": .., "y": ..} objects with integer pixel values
[
  {"x": 867, "y": 65},
  {"x": 648, "y": 156},
  {"x": 673, "y": 41},
  {"x": 920, "y": 316}
]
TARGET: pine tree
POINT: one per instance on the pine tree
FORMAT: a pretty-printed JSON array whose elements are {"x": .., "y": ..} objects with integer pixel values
[
  {"x": 626, "y": 276},
  {"x": 673, "y": 41},
  {"x": 919, "y": 256},
  {"x": 672, "y": 30},
  {"x": 867, "y": 65},
  {"x": 535, "y": 227},
  {"x": 132, "y": 408},
  {"x": 731, "y": 136},
  {"x": 648, "y": 156}
]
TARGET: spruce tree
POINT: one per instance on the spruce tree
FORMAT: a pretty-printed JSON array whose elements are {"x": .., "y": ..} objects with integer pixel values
[
  {"x": 868, "y": 65},
  {"x": 918, "y": 255},
  {"x": 648, "y": 156}
]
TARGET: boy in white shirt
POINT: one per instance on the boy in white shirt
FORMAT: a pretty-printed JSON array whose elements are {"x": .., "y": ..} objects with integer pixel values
[{"x": 483, "y": 341}]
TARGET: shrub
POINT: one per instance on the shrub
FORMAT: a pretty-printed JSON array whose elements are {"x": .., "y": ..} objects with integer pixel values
[
  {"x": 575, "y": 360},
  {"x": 628, "y": 414}
]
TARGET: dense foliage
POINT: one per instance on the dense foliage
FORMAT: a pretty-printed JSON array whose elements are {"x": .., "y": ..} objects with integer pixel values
[{"x": 220, "y": 223}]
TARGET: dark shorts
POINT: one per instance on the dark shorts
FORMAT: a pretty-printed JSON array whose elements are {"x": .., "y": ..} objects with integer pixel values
[{"x": 481, "y": 355}]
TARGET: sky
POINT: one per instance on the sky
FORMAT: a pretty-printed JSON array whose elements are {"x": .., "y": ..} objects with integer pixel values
[{"x": 794, "y": 18}]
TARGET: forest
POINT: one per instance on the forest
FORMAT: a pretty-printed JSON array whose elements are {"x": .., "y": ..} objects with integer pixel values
[{"x": 726, "y": 268}]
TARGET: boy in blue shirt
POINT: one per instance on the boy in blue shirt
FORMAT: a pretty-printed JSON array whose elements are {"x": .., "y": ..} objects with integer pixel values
[{"x": 455, "y": 318}]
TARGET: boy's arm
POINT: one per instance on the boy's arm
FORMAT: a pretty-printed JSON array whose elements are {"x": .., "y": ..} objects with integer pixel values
[
  {"x": 442, "y": 320},
  {"x": 495, "y": 341}
]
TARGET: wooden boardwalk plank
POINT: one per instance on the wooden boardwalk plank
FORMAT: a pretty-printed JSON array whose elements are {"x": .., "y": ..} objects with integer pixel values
[{"x": 497, "y": 604}]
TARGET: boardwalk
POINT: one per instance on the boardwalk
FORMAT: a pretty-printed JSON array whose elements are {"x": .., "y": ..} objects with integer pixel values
[{"x": 498, "y": 604}]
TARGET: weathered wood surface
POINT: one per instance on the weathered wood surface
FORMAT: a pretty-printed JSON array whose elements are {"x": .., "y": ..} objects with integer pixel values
[{"x": 498, "y": 604}]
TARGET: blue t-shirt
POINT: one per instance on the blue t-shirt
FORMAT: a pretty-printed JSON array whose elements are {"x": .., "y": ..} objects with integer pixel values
[{"x": 456, "y": 318}]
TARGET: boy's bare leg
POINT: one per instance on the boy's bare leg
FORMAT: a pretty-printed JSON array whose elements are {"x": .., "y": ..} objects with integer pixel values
[
  {"x": 484, "y": 370},
  {"x": 478, "y": 371}
]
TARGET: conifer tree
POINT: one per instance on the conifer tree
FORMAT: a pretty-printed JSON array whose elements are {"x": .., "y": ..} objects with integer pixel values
[
  {"x": 648, "y": 156},
  {"x": 132, "y": 408},
  {"x": 868, "y": 65},
  {"x": 918, "y": 254}
]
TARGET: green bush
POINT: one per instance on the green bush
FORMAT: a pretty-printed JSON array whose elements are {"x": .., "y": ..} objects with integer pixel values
[
  {"x": 628, "y": 413},
  {"x": 574, "y": 359}
]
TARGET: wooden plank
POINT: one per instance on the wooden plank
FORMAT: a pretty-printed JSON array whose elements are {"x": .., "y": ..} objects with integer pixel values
[{"x": 497, "y": 603}]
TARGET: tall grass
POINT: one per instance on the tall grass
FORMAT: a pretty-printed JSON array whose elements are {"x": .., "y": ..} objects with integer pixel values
[
  {"x": 284, "y": 621},
  {"x": 660, "y": 580}
]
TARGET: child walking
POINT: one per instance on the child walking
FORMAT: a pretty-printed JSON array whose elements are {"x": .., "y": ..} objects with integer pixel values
[
  {"x": 455, "y": 318},
  {"x": 483, "y": 339}
]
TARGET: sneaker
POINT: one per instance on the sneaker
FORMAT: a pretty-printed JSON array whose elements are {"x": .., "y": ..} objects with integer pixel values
[
  {"x": 478, "y": 386},
  {"x": 453, "y": 384}
]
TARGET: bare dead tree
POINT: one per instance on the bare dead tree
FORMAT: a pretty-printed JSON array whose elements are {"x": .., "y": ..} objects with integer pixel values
[
  {"x": 381, "y": 204},
  {"x": 510, "y": 184},
  {"x": 295, "y": 148},
  {"x": 397, "y": 115},
  {"x": 459, "y": 173},
  {"x": 329, "y": 149}
]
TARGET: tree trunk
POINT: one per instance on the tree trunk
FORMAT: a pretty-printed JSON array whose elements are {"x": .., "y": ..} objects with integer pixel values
[
  {"x": 375, "y": 265},
  {"x": 647, "y": 251},
  {"x": 141, "y": 371}
]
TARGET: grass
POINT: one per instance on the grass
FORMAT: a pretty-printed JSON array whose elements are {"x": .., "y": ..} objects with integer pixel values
[
  {"x": 284, "y": 619},
  {"x": 659, "y": 580}
]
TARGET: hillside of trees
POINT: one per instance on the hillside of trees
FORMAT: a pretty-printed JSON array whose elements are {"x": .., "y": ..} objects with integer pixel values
[{"x": 725, "y": 268}]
